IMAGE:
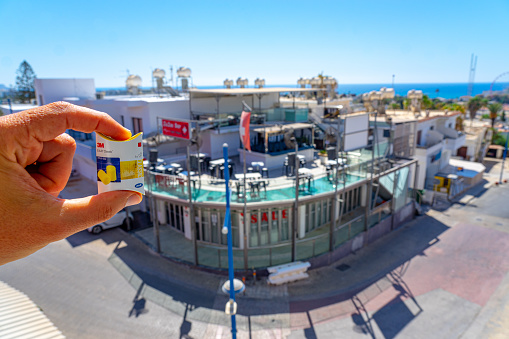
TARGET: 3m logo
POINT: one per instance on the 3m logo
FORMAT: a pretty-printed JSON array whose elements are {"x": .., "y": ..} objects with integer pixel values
[
  {"x": 100, "y": 145},
  {"x": 139, "y": 144}
]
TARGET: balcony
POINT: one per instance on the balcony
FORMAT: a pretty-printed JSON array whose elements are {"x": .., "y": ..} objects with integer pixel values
[
  {"x": 433, "y": 138},
  {"x": 453, "y": 144}
]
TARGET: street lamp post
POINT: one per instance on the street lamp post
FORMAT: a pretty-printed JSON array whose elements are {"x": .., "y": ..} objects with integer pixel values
[
  {"x": 232, "y": 285},
  {"x": 504, "y": 156}
]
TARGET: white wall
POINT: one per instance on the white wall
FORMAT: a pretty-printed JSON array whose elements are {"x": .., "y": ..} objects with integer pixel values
[
  {"x": 426, "y": 167},
  {"x": 233, "y": 104},
  {"x": 51, "y": 90},
  {"x": 424, "y": 126},
  {"x": 85, "y": 167},
  {"x": 146, "y": 109},
  {"x": 216, "y": 141},
  {"x": 178, "y": 109}
]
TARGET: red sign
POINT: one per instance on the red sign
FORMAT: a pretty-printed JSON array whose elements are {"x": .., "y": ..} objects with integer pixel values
[
  {"x": 265, "y": 217},
  {"x": 177, "y": 129},
  {"x": 244, "y": 130}
]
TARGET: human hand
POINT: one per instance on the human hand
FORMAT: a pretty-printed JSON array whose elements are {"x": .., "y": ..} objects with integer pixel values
[{"x": 35, "y": 164}]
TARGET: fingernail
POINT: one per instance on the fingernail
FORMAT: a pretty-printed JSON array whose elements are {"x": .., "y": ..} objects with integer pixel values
[{"x": 134, "y": 199}]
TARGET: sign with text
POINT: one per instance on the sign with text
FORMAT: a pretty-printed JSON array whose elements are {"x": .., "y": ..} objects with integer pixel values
[{"x": 177, "y": 129}]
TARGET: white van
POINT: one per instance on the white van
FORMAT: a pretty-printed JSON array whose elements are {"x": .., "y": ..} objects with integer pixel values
[{"x": 118, "y": 219}]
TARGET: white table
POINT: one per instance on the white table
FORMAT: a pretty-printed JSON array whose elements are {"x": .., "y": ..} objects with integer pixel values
[
  {"x": 218, "y": 162},
  {"x": 258, "y": 165},
  {"x": 335, "y": 162},
  {"x": 306, "y": 174},
  {"x": 249, "y": 176},
  {"x": 160, "y": 168}
]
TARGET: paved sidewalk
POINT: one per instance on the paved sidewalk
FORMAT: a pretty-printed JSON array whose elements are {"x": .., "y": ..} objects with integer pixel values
[
  {"x": 416, "y": 274},
  {"x": 197, "y": 293}
]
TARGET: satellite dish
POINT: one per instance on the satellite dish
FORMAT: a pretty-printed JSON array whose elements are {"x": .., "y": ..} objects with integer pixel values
[
  {"x": 330, "y": 135},
  {"x": 289, "y": 138}
]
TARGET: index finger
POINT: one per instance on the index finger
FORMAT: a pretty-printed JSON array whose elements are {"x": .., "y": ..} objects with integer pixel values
[{"x": 47, "y": 122}]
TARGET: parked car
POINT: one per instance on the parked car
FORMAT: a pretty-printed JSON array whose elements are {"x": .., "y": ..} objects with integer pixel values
[{"x": 117, "y": 220}]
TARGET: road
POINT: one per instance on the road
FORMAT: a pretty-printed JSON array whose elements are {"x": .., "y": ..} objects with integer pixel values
[
  {"x": 86, "y": 297},
  {"x": 451, "y": 280}
]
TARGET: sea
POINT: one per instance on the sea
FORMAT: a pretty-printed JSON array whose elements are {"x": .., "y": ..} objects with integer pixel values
[{"x": 433, "y": 90}]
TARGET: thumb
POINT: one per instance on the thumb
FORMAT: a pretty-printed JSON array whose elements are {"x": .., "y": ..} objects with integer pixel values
[{"x": 78, "y": 214}]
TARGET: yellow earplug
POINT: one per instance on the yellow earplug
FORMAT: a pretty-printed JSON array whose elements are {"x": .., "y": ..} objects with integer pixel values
[
  {"x": 112, "y": 172},
  {"x": 105, "y": 178}
]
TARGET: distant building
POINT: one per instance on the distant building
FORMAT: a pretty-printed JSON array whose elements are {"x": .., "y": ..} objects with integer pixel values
[
  {"x": 9, "y": 108},
  {"x": 51, "y": 90},
  {"x": 347, "y": 202}
]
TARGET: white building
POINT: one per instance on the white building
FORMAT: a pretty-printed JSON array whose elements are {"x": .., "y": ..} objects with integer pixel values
[
  {"x": 435, "y": 141},
  {"x": 335, "y": 208},
  {"x": 9, "y": 108},
  {"x": 51, "y": 90}
]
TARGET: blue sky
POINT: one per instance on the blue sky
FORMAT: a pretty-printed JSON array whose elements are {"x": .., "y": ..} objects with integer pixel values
[{"x": 354, "y": 41}]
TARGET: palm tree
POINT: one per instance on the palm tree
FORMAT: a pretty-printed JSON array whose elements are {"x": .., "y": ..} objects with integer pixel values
[
  {"x": 474, "y": 104},
  {"x": 494, "y": 109},
  {"x": 426, "y": 102},
  {"x": 458, "y": 107}
]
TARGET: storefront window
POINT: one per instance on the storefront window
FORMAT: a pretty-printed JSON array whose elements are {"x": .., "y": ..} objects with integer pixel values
[
  {"x": 235, "y": 228},
  {"x": 312, "y": 221},
  {"x": 177, "y": 217},
  {"x": 197, "y": 225},
  {"x": 319, "y": 212},
  {"x": 285, "y": 223},
  {"x": 214, "y": 226},
  {"x": 264, "y": 227},
  {"x": 224, "y": 237},
  {"x": 205, "y": 223},
  {"x": 253, "y": 229},
  {"x": 306, "y": 207},
  {"x": 326, "y": 210},
  {"x": 274, "y": 225}
]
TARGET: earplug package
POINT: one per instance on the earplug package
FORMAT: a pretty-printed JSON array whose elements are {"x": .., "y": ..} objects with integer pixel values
[{"x": 119, "y": 164}]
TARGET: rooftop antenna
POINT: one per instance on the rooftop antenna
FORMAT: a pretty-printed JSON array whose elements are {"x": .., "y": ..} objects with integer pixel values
[
  {"x": 471, "y": 76},
  {"x": 171, "y": 75}
]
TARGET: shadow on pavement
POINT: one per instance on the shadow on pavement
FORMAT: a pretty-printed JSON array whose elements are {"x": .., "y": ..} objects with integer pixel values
[
  {"x": 490, "y": 162},
  {"x": 109, "y": 236},
  {"x": 193, "y": 293},
  {"x": 185, "y": 327},
  {"x": 393, "y": 316},
  {"x": 309, "y": 332},
  {"x": 138, "y": 304},
  {"x": 361, "y": 319},
  {"x": 382, "y": 259},
  {"x": 443, "y": 204},
  {"x": 84, "y": 237},
  {"x": 174, "y": 281}
]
